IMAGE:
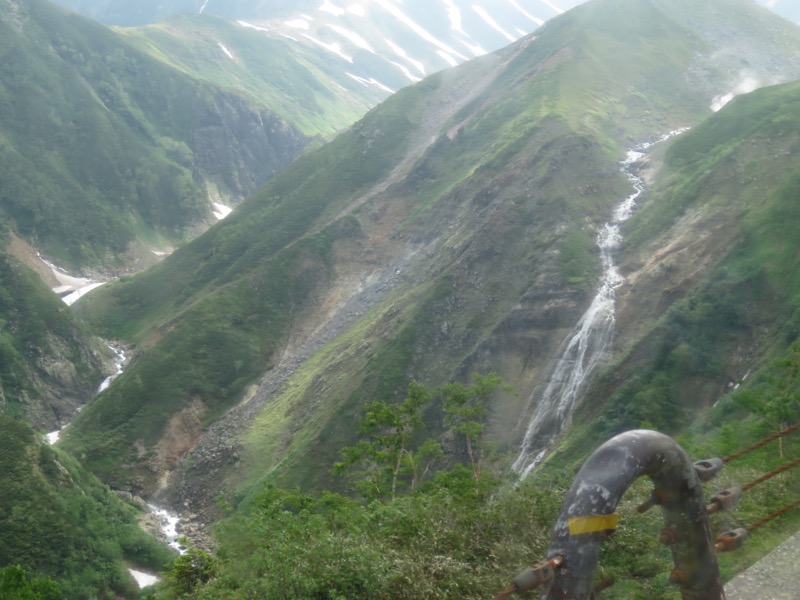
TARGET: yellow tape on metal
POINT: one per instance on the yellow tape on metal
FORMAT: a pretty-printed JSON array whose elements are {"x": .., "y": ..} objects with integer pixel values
[{"x": 592, "y": 523}]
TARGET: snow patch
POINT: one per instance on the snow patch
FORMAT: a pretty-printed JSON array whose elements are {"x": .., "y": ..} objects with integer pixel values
[
  {"x": 225, "y": 50},
  {"x": 357, "y": 10},
  {"x": 475, "y": 49},
  {"x": 454, "y": 13},
  {"x": 418, "y": 29},
  {"x": 333, "y": 47},
  {"x": 404, "y": 55},
  {"x": 298, "y": 24},
  {"x": 251, "y": 26},
  {"x": 70, "y": 299},
  {"x": 492, "y": 23},
  {"x": 536, "y": 20},
  {"x": 406, "y": 72},
  {"x": 353, "y": 37},
  {"x": 220, "y": 210},
  {"x": 449, "y": 59},
  {"x": 371, "y": 82},
  {"x": 557, "y": 9},
  {"x": 144, "y": 579},
  {"x": 330, "y": 7}
]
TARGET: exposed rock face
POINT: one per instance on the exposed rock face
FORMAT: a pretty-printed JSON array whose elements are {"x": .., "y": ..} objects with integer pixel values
[
  {"x": 240, "y": 147},
  {"x": 181, "y": 435}
]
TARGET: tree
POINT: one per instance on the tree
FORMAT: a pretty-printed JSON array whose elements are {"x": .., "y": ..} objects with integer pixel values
[
  {"x": 190, "y": 570},
  {"x": 16, "y": 585},
  {"x": 465, "y": 413},
  {"x": 386, "y": 453}
]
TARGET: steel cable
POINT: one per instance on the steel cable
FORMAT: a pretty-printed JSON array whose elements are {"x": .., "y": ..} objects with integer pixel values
[{"x": 764, "y": 442}]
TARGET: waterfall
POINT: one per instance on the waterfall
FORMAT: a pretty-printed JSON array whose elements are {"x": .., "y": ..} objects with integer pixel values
[
  {"x": 589, "y": 344},
  {"x": 53, "y": 436}
]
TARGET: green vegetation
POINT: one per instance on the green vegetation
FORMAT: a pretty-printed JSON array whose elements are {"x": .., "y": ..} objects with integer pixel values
[
  {"x": 502, "y": 198},
  {"x": 457, "y": 532},
  {"x": 749, "y": 299},
  {"x": 15, "y": 585},
  {"x": 57, "y": 521},
  {"x": 37, "y": 331},
  {"x": 257, "y": 271}
]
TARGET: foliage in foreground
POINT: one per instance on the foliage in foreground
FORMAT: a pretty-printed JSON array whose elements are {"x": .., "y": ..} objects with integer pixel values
[
  {"x": 465, "y": 532},
  {"x": 16, "y": 585}
]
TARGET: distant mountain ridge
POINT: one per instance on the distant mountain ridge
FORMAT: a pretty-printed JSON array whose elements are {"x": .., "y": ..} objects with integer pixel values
[{"x": 382, "y": 45}]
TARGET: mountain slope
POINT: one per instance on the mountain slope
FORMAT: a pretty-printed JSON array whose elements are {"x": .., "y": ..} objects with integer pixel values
[
  {"x": 58, "y": 521},
  {"x": 121, "y": 147},
  {"x": 49, "y": 363},
  {"x": 711, "y": 257},
  {"x": 451, "y": 230}
]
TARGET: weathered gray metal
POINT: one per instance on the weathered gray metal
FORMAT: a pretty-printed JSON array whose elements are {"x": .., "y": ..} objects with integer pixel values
[{"x": 587, "y": 516}]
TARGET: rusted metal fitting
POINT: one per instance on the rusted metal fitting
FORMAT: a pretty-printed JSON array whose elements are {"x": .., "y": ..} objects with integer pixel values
[
  {"x": 708, "y": 469},
  {"x": 668, "y": 537},
  {"x": 724, "y": 500},
  {"x": 656, "y": 498},
  {"x": 678, "y": 576},
  {"x": 596, "y": 491},
  {"x": 538, "y": 574},
  {"x": 602, "y": 585},
  {"x": 731, "y": 540}
]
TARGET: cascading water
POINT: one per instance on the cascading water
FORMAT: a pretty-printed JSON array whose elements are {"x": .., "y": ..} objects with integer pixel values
[
  {"x": 588, "y": 345},
  {"x": 119, "y": 361}
]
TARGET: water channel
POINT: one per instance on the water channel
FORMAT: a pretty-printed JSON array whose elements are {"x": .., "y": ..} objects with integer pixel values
[{"x": 589, "y": 344}]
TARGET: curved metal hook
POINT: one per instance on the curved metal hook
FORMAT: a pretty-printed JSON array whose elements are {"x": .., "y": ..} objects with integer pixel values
[{"x": 587, "y": 516}]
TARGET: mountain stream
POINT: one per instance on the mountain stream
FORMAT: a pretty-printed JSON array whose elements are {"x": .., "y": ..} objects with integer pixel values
[
  {"x": 589, "y": 344},
  {"x": 167, "y": 521}
]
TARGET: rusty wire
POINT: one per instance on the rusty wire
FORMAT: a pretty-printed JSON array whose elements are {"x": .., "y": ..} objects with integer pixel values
[
  {"x": 774, "y": 515},
  {"x": 507, "y": 593},
  {"x": 771, "y": 474},
  {"x": 764, "y": 442}
]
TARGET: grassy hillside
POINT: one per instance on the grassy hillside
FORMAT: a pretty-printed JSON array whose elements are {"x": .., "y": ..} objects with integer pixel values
[
  {"x": 58, "y": 521},
  {"x": 121, "y": 147},
  {"x": 303, "y": 87}
]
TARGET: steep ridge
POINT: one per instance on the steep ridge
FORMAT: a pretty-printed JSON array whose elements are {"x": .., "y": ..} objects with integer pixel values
[
  {"x": 303, "y": 86},
  {"x": 449, "y": 231},
  {"x": 122, "y": 148}
]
